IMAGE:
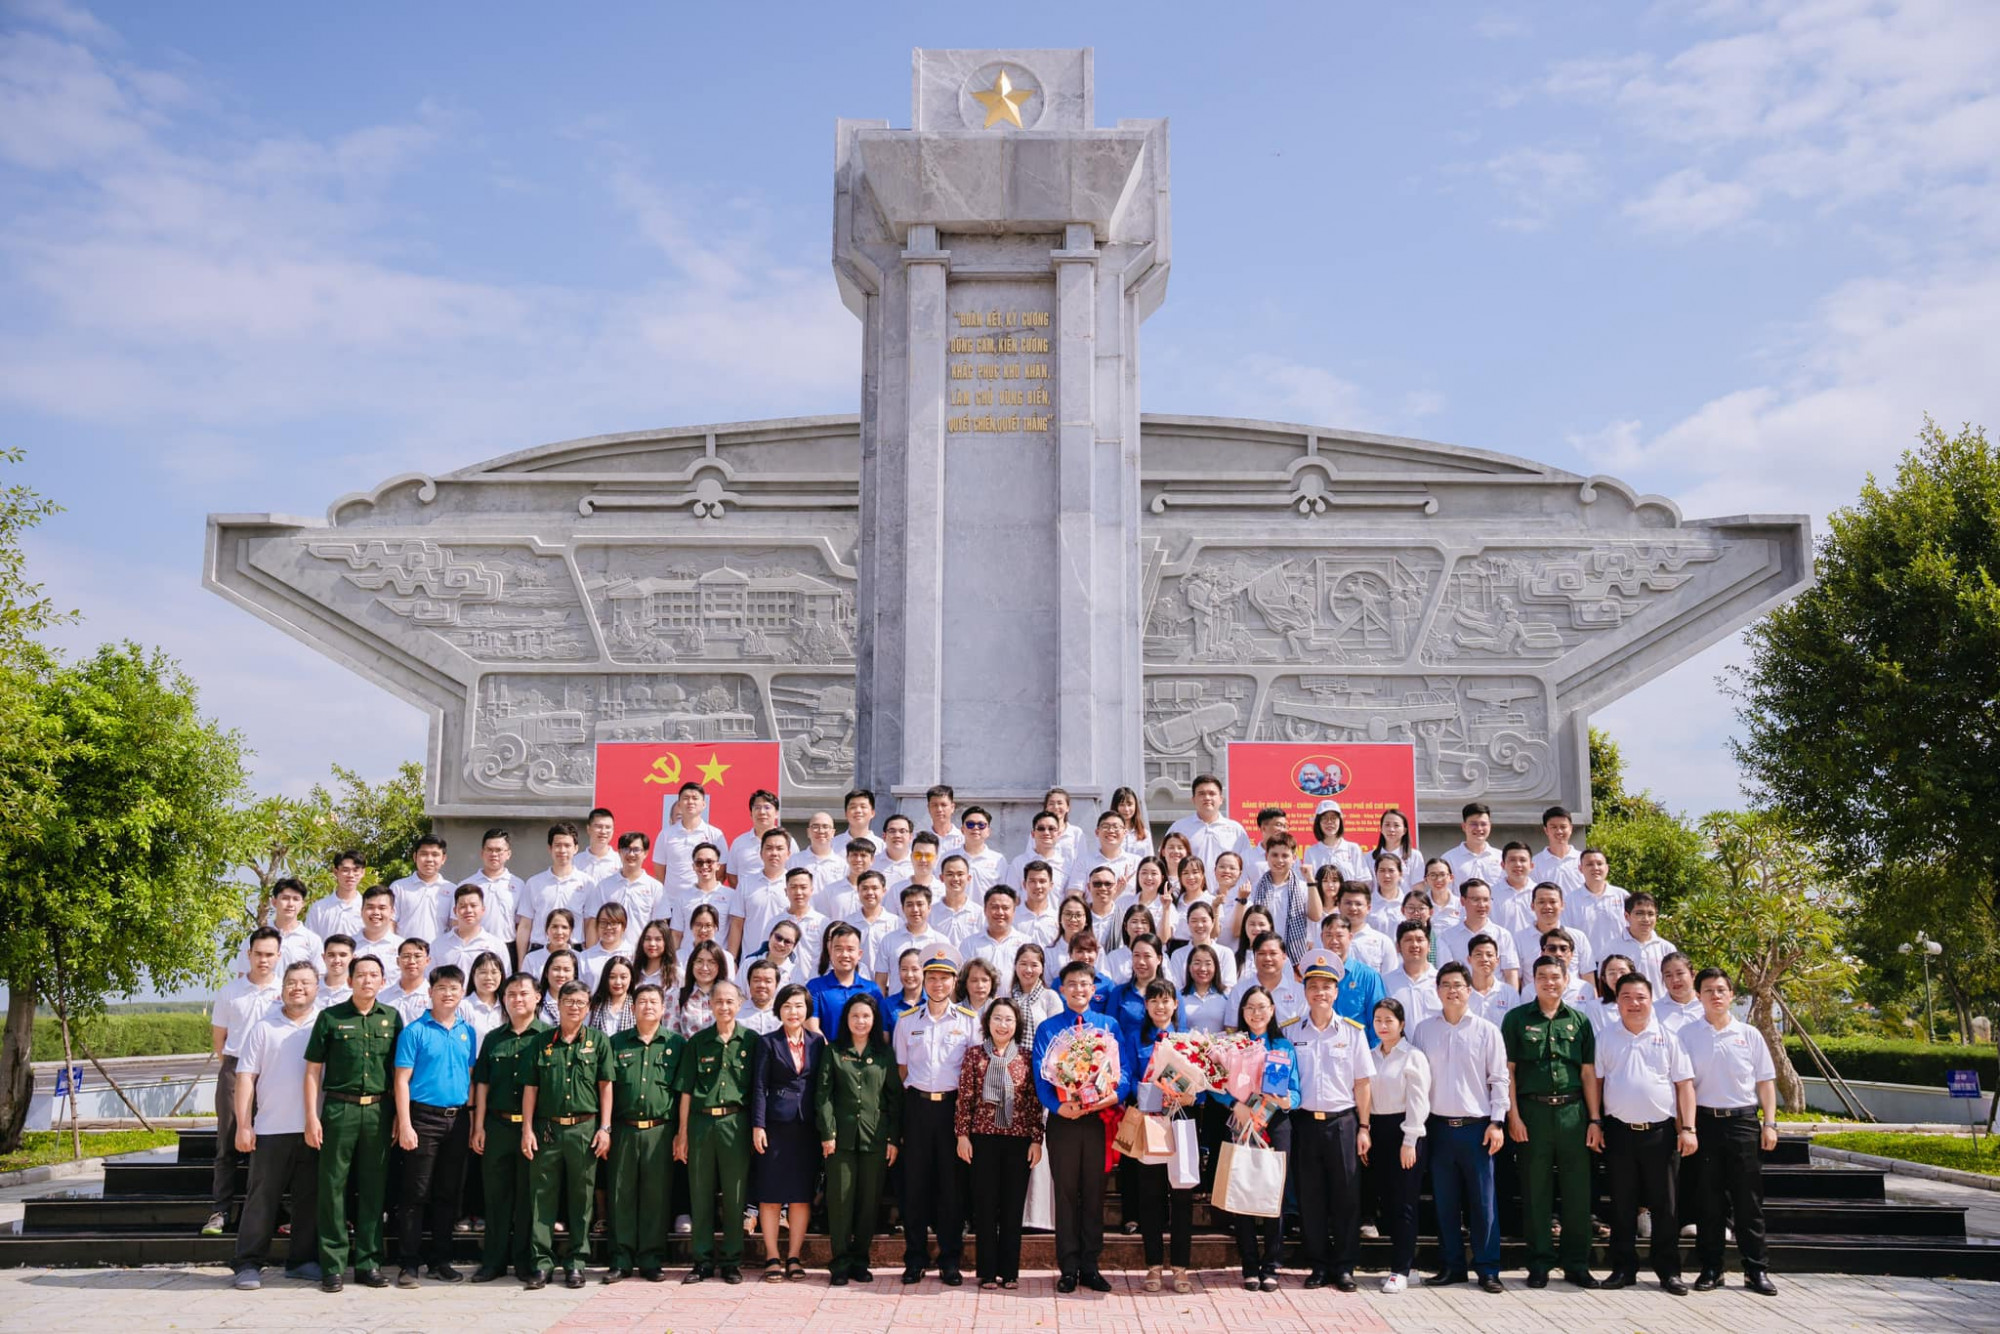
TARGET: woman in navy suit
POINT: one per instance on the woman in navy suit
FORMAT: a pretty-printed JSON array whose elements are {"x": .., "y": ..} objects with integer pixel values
[{"x": 783, "y": 1073}]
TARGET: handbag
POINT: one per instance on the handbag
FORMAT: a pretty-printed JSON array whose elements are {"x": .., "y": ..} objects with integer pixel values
[
  {"x": 1184, "y": 1167},
  {"x": 1250, "y": 1180},
  {"x": 1144, "y": 1136}
]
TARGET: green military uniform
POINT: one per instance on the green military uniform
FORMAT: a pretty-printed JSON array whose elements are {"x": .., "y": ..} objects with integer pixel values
[
  {"x": 1548, "y": 1055},
  {"x": 859, "y": 1103},
  {"x": 644, "y": 1104},
  {"x": 505, "y": 1067},
  {"x": 565, "y": 1076},
  {"x": 358, "y": 1122},
  {"x": 716, "y": 1077}
]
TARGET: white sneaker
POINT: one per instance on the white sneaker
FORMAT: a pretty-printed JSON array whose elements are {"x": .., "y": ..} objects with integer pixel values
[
  {"x": 1688, "y": 1230},
  {"x": 1396, "y": 1283},
  {"x": 683, "y": 1224},
  {"x": 1645, "y": 1228},
  {"x": 1370, "y": 1231}
]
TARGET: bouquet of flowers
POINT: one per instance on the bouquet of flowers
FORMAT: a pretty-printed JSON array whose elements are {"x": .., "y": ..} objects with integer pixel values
[
  {"x": 1180, "y": 1064},
  {"x": 1082, "y": 1064},
  {"x": 1239, "y": 1061}
]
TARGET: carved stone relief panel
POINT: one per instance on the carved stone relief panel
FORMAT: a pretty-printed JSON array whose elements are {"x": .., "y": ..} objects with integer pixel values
[
  {"x": 1231, "y": 605},
  {"x": 494, "y": 603},
  {"x": 666, "y": 605},
  {"x": 537, "y": 733}
]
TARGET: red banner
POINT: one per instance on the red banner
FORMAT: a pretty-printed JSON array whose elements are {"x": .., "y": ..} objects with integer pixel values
[
  {"x": 1366, "y": 778},
  {"x": 638, "y": 781}
]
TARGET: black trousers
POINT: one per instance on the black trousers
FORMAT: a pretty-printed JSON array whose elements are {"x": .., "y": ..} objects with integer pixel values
[
  {"x": 433, "y": 1173},
  {"x": 930, "y": 1182},
  {"x": 1260, "y": 1242},
  {"x": 1732, "y": 1180},
  {"x": 223, "y": 1177},
  {"x": 1396, "y": 1187},
  {"x": 1165, "y": 1215},
  {"x": 1644, "y": 1167},
  {"x": 1076, "y": 1172},
  {"x": 283, "y": 1165},
  {"x": 1325, "y": 1169},
  {"x": 999, "y": 1196}
]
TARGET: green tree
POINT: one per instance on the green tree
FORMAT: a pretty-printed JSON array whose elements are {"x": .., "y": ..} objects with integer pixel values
[
  {"x": 1893, "y": 906},
  {"x": 1608, "y": 798},
  {"x": 1772, "y": 915},
  {"x": 299, "y": 837},
  {"x": 1657, "y": 852},
  {"x": 1871, "y": 703},
  {"x": 119, "y": 879}
]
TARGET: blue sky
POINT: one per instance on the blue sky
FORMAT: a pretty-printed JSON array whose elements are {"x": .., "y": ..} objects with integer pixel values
[{"x": 255, "y": 256}]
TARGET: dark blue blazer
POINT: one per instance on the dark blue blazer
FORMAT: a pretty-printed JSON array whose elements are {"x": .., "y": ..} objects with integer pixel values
[{"x": 780, "y": 1095}]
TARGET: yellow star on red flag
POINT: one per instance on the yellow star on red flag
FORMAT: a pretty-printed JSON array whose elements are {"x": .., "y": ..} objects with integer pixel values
[{"x": 712, "y": 771}]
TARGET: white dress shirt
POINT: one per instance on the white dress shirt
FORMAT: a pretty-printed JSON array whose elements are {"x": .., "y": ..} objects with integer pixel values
[
  {"x": 1402, "y": 1084},
  {"x": 1728, "y": 1063},
  {"x": 1468, "y": 1066},
  {"x": 1640, "y": 1070},
  {"x": 933, "y": 1047},
  {"x": 1209, "y": 841},
  {"x": 1331, "y": 1060},
  {"x": 1418, "y": 995},
  {"x": 594, "y": 866},
  {"x": 955, "y": 924}
]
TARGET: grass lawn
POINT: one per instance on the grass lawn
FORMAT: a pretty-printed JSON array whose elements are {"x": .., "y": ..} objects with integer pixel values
[
  {"x": 1935, "y": 1150},
  {"x": 42, "y": 1147}
]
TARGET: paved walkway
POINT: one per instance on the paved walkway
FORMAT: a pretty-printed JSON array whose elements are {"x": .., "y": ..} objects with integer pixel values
[{"x": 126, "y": 1301}]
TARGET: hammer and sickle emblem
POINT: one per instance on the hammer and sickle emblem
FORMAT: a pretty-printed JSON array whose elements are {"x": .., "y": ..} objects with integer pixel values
[{"x": 666, "y": 769}]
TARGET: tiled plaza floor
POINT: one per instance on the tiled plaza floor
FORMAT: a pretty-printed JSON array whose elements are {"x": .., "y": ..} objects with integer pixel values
[{"x": 129, "y": 1301}]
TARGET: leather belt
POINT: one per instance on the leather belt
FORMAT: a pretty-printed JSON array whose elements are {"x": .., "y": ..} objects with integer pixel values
[
  {"x": 645, "y": 1125},
  {"x": 929, "y": 1096},
  {"x": 358, "y": 1099},
  {"x": 1640, "y": 1125},
  {"x": 1456, "y": 1122},
  {"x": 512, "y": 1117},
  {"x": 726, "y": 1109},
  {"x": 1554, "y": 1099},
  {"x": 570, "y": 1120},
  {"x": 1328, "y": 1116},
  {"x": 1728, "y": 1113}
]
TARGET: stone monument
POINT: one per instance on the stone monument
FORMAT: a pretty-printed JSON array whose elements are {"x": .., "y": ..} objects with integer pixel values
[{"x": 1001, "y": 575}]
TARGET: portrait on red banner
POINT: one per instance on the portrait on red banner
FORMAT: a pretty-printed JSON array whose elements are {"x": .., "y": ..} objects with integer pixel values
[
  {"x": 638, "y": 781},
  {"x": 1366, "y": 778}
]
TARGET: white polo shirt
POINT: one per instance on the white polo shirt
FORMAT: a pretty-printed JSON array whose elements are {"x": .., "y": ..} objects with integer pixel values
[
  {"x": 1599, "y": 916},
  {"x": 239, "y": 1006},
  {"x": 1646, "y": 955},
  {"x": 673, "y": 853},
  {"x": 745, "y": 855},
  {"x": 274, "y": 1050},
  {"x": 383, "y": 949},
  {"x": 1728, "y": 1062},
  {"x": 1528, "y": 948},
  {"x": 449, "y": 948},
  {"x": 1058, "y": 869},
  {"x": 503, "y": 899},
  {"x": 331, "y": 917},
  {"x": 546, "y": 892},
  {"x": 1209, "y": 841},
  {"x": 828, "y": 870},
  {"x": 299, "y": 943},
  {"x": 762, "y": 902},
  {"x": 1122, "y": 864},
  {"x": 989, "y": 868},
  {"x": 1453, "y": 940},
  {"x": 644, "y": 900},
  {"x": 1289, "y": 996},
  {"x": 1418, "y": 995},
  {"x": 1492, "y": 1006},
  {"x": 1564, "y": 871},
  {"x": 1466, "y": 864},
  {"x": 423, "y": 908},
  {"x": 1640, "y": 1070},
  {"x": 999, "y": 953}
]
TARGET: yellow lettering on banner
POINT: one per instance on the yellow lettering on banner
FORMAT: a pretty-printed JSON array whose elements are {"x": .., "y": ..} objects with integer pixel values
[
  {"x": 1035, "y": 319},
  {"x": 961, "y": 370},
  {"x": 990, "y": 358},
  {"x": 1038, "y": 370}
]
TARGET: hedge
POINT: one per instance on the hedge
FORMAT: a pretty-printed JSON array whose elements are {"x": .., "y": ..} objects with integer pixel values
[
  {"x": 1898, "y": 1060},
  {"x": 146, "y": 1033}
]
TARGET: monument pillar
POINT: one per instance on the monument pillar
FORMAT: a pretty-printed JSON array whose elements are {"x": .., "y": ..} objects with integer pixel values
[{"x": 1001, "y": 253}]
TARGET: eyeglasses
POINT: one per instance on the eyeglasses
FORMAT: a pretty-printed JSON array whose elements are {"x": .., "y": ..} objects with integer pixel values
[
  {"x": 976, "y": 824},
  {"x": 706, "y": 861},
  {"x": 1102, "y": 884}
]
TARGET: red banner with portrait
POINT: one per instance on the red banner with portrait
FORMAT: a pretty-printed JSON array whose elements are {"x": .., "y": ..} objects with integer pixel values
[
  {"x": 638, "y": 781},
  {"x": 1366, "y": 778}
]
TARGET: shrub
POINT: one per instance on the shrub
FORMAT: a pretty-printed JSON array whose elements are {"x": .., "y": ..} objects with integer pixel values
[
  {"x": 156, "y": 1033},
  {"x": 1898, "y": 1060}
]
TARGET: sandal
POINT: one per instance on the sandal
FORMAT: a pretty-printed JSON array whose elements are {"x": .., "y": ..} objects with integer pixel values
[
  {"x": 774, "y": 1271},
  {"x": 1010, "y": 1283},
  {"x": 1153, "y": 1279},
  {"x": 1181, "y": 1283},
  {"x": 988, "y": 1285},
  {"x": 795, "y": 1269}
]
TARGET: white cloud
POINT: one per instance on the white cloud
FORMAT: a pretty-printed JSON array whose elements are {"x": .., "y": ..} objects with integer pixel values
[
  {"x": 1687, "y": 202},
  {"x": 1539, "y": 182}
]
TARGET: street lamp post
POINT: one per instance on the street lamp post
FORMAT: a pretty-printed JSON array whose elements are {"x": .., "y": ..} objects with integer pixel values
[{"x": 1925, "y": 946}]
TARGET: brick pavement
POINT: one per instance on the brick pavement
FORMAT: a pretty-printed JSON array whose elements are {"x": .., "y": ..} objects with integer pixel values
[{"x": 114, "y": 1301}]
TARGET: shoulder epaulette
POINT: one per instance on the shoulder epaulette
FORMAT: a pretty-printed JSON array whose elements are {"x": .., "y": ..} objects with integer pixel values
[
  {"x": 1345, "y": 1020},
  {"x": 905, "y": 1014},
  {"x": 965, "y": 1010}
]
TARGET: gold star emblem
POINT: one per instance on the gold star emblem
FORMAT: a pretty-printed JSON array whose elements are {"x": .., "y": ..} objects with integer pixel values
[
  {"x": 1003, "y": 101},
  {"x": 712, "y": 771}
]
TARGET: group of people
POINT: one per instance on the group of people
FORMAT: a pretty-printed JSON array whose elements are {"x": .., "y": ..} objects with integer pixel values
[{"x": 599, "y": 1051}]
